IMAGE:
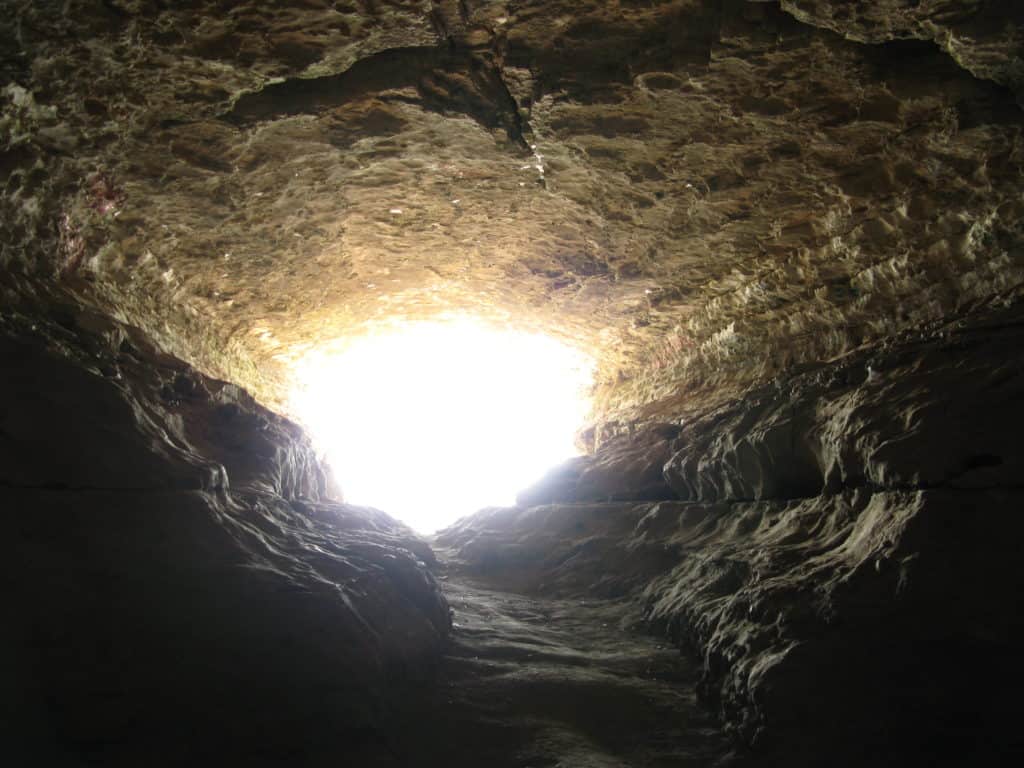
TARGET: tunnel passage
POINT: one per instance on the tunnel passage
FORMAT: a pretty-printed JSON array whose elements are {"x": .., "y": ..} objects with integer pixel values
[
  {"x": 476, "y": 412},
  {"x": 788, "y": 234}
]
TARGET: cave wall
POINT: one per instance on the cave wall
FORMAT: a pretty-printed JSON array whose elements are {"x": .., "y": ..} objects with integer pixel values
[
  {"x": 840, "y": 548},
  {"x": 182, "y": 588},
  {"x": 767, "y": 220},
  {"x": 702, "y": 193}
]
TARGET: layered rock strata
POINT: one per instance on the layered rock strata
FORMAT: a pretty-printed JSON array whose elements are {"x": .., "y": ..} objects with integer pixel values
[{"x": 840, "y": 548}]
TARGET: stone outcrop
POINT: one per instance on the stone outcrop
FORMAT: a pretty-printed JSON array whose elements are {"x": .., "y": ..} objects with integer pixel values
[
  {"x": 177, "y": 573},
  {"x": 841, "y": 553}
]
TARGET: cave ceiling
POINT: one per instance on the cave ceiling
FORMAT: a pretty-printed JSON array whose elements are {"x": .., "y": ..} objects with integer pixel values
[{"x": 699, "y": 193}]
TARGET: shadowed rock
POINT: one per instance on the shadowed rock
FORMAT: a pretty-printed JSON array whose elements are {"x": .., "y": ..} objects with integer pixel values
[
  {"x": 178, "y": 575},
  {"x": 841, "y": 557}
]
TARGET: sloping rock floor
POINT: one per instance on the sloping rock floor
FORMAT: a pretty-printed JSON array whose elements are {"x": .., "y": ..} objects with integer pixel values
[{"x": 538, "y": 681}]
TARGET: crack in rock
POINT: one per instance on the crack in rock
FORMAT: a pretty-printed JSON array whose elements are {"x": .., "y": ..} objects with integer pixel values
[{"x": 446, "y": 80}]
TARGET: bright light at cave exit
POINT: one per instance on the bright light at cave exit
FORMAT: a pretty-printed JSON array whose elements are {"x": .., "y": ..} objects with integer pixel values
[{"x": 432, "y": 421}]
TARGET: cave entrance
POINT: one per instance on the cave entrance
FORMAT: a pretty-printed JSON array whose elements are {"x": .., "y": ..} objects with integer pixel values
[{"x": 431, "y": 421}]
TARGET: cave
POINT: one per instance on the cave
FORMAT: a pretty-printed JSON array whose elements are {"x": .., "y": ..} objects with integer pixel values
[{"x": 777, "y": 249}]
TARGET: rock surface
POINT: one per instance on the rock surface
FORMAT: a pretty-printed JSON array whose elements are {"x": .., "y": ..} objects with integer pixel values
[
  {"x": 534, "y": 680},
  {"x": 181, "y": 588},
  {"x": 789, "y": 231},
  {"x": 842, "y": 554},
  {"x": 629, "y": 466},
  {"x": 700, "y": 192}
]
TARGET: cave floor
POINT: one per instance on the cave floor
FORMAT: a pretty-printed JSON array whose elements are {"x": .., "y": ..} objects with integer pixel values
[{"x": 534, "y": 681}]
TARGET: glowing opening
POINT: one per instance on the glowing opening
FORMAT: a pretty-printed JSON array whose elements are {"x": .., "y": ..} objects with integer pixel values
[{"x": 432, "y": 421}]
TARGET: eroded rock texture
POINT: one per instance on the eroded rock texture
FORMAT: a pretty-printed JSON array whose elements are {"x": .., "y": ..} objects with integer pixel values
[
  {"x": 180, "y": 587},
  {"x": 789, "y": 232},
  {"x": 701, "y": 192},
  {"x": 842, "y": 552}
]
